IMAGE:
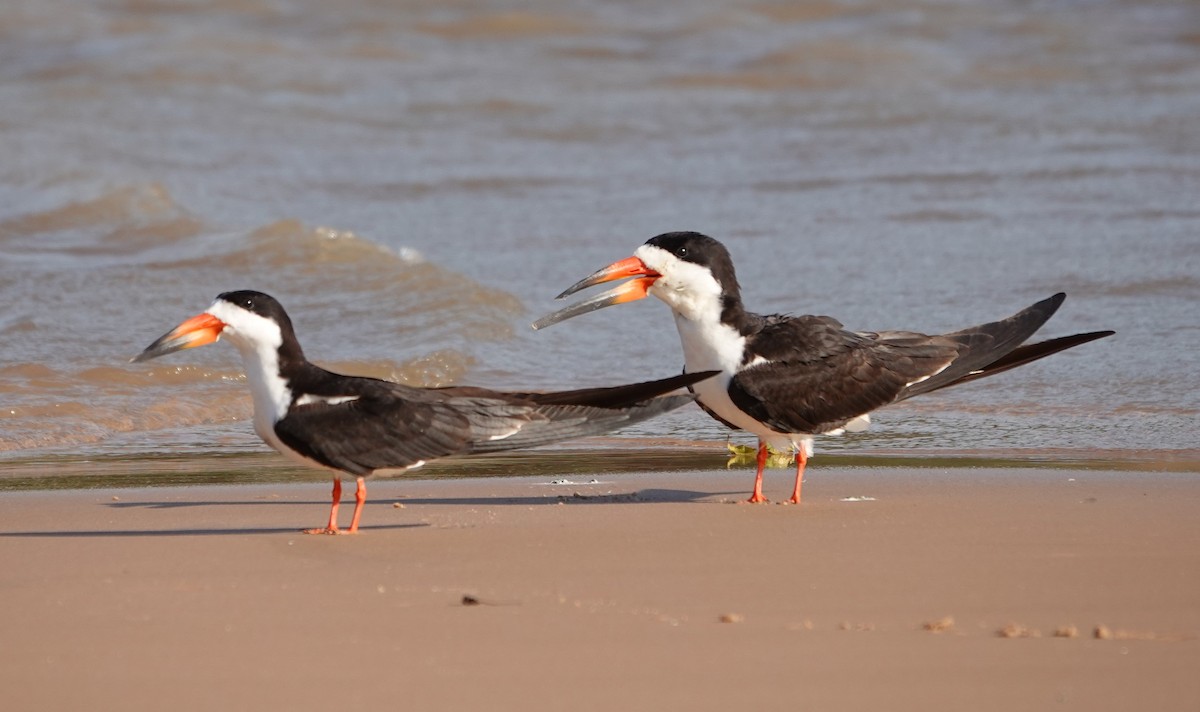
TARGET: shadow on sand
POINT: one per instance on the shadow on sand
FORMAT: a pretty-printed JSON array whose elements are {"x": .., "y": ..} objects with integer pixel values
[
  {"x": 647, "y": 496},
  {"x": 119, "y": 533}
]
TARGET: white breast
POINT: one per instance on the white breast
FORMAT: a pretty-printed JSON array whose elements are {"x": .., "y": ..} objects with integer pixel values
[{"x": 712, "y": 346}]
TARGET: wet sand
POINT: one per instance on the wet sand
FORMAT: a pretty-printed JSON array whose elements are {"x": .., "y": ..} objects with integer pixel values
[{"x": 890, "y": 588}]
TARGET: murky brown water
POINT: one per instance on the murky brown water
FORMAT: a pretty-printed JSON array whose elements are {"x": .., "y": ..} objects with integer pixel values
[{"x": 415, "y": 181}]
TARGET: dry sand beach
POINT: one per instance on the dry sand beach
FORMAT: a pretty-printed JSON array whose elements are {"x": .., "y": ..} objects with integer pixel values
[{"x": 890, "y": 588}]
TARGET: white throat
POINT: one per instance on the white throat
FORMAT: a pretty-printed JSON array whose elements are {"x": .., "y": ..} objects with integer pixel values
[
  {"x": 258, "y": 339},
  {"x": 689, "y": 289},
  {"x": 694, "y": 296}
]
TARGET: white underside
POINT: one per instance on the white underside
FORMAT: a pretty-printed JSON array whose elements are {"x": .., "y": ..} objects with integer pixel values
[{"x": 708, "y": 347}]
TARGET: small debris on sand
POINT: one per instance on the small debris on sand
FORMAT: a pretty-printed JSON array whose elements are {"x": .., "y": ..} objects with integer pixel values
[
  {"x": 1016, "y": 630},
  {"x": 1066, "y": 631},
  {"x": 939, "y": 626},
  {"x": 732, "y": 618},
  {"x": 1103, "y": 632},
  {"x": 469, "y": 600}
]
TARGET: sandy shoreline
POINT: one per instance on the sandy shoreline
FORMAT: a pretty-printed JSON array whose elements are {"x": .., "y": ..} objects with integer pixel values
[
  {"x": 69, "y": 470},
  {"x": 611, "y": 595}
]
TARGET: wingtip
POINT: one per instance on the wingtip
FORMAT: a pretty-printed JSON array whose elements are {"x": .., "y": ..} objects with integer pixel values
[{"x": 1043, "y": 309}]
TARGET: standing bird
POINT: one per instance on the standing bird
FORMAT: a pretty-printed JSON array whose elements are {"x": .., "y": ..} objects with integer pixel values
[
  {"x": 362, "y": 427},
  {"x": 789, "y": 378}
]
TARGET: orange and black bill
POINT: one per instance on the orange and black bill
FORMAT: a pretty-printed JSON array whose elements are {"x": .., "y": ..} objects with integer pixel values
[
  {"x": 630, "y": 291},
  {"x": 199, "y": 330}
]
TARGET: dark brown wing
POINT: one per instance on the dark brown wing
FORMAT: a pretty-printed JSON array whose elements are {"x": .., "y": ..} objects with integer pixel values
[
  {"x": 983, "y": 345},
  {"x": 375, "y": 432},
  {"x": 817, "y": 376},
  {"x": 391, "y": 426},
  {"x": 1026, "y": 353}
]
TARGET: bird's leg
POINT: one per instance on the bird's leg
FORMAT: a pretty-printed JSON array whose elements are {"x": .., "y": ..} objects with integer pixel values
[
  {"x": 757, "y": 495},
  {"x": 360, "y": 498},
  {"x": 332, "y": 527},
  {"x": 801, "y": 461}
]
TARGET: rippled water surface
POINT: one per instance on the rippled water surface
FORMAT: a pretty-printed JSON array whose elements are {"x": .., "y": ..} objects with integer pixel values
[{"x": 415, "y": 181}]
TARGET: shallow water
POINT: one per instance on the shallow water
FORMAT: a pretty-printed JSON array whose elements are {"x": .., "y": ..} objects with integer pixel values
[{"x": 415, "y": 183}]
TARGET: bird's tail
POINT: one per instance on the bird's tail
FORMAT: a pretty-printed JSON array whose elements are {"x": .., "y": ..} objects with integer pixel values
[
  {"x": 1024, "y": 354},
  {"x": 992, "y": 348}
]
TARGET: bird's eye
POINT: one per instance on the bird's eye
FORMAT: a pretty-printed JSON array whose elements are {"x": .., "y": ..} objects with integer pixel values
[{"x": 681, "y": 252}]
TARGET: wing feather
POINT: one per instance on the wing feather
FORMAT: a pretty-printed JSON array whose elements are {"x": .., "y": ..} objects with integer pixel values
[
  {"x": 817, "y": 376},
  {"x": 389, "y": 426}
]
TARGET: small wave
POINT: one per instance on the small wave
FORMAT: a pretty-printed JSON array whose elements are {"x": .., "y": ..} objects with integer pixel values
[
  {"x": 139, "y": 240},
  {"x": 71, "y": 423},
  {"x": 505, "y": 25},
  {"x": 116, "y": 224},
  {"x": 390, "y": 192},
  {"x": 111, "y": 262},
  {"x": 819, "y": 65},
  {"x": 288, "y": 243},
  {"x": 130, "y": 204},
  {"x": 931, "y": 216},
  {"x": 26, "y": 370},
  {"x": 16, "y": 324},
  {"x": 340, "y": 282},
  {"x": 1182, "y": 285},
  {"x": 440, "y": 368},
  {"x": 49, "y": 408},
  {"x": 25, "y": 377},
  {"x": 114, "y": 377}
]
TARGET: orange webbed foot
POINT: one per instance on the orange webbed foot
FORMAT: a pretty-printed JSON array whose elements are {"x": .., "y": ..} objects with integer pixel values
[{"x": 326, "y": 530}]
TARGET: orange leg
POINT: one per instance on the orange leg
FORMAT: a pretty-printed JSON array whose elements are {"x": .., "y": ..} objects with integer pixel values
[
  {"x": 757, "y": 495},
  {"x": 801, "y": 461},
  {"x": 360, "y": 498},
  {"x": 332, "y": 527}
]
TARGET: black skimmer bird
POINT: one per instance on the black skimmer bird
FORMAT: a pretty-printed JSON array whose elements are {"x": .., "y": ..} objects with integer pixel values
[
  {"x": 359, "y": 427},
  {"x": 788, "y": 378}
]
